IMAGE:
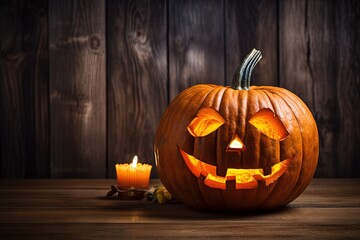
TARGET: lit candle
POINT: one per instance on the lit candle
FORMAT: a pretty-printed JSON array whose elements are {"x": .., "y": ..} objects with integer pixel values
[{"x": 135, "y": 175}]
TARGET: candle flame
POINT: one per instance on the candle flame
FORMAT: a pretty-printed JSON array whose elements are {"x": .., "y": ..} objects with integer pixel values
[{"x": 134, "y": 162}]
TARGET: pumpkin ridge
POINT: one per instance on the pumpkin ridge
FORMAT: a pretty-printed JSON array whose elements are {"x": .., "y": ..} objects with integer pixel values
[
  {"x": 225, "y": 108},
  {"x": 244, "y": 96},
  {"x": 242, "y": 107},
  {"x": 276, "y": 109},
  {"x": 303, "y": 183},
  {"x": 217, "y": 92},
  {"x": 270, "y": 189},
  {"x": 218, "y": 140},
  {"x": 259, "y": 100},
  {"x": 195, "y": 92},
  {"x": 287, "y": 100},
  {"x": 252, "y": 103},
  {"x": 222, "y": 193},
  {"x": 199, "y": 189},
  {"x": 264, "y": 97}
]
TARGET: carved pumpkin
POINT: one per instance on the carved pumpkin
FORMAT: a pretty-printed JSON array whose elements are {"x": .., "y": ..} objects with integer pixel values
[{"x": 236, "y": 148}]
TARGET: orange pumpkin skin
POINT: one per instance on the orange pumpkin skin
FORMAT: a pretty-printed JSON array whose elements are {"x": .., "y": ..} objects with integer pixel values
[{"x": 236, "y": 107}]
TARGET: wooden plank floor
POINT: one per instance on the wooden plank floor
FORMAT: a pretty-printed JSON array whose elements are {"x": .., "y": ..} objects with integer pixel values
[{"x": 77, "y": 209}]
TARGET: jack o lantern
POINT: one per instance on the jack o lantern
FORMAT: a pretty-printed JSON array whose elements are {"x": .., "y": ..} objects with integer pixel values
[{"x": 236, "y": 148}]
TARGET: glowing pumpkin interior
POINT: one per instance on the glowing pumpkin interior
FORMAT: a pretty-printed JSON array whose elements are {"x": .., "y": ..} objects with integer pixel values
[{"x": 209, "y": 120}]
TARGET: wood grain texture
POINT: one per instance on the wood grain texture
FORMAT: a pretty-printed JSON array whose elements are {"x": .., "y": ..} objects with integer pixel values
[
  {"x": 347, "y": 84},
  {"x": 196, "y": 44},
  {"x": 322, "y": 64},
  {"x": 295, "y": 68},
  {"x": 77, "y": 88},
  {"x": 306, "y": 43},
  {"x": 318, "y": 61},
  {"x": 137, "y": 89},
  {"x": 328, "y": 209},
  {"x": 252, "y": 24},
  {"x": 24, "y": 94}
]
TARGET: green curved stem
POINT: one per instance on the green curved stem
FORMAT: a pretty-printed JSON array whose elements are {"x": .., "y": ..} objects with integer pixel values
[{"x": 242, "y": 75}]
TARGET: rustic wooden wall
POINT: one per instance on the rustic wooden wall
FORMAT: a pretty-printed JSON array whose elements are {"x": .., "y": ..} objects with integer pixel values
[
  {"x": 84, "y": 83},
  {"x": 77, "y": 88},
  {"x": 24, "y": 89}
]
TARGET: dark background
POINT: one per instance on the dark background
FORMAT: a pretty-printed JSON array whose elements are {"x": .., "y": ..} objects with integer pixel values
[{"x": 84, "y": 83}]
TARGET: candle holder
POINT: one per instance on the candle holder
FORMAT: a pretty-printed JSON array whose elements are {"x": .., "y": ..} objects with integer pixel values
[
  {"x": 128, "y": 194},
  {"x": 135, "y": 175}
]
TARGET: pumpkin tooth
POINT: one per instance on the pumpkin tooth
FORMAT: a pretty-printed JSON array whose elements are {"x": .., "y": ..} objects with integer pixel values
[
  {"x": 215, "y": 181},
  {"x": 267, "y": 170},
  {"x": 245, "y": 181}
]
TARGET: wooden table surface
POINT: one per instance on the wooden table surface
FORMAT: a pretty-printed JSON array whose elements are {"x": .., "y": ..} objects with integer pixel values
[{"x": 77, "y": 209}]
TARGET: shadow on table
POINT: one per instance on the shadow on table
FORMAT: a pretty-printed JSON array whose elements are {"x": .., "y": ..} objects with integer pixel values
[{"x": 180, "y": 211}]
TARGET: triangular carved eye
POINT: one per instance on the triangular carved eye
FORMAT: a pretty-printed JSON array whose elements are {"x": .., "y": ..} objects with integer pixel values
[
  {"x": 269, "y": 124},
  {"x": 206, "y": 121}
]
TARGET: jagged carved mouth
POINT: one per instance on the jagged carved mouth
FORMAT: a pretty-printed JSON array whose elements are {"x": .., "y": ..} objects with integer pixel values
[{"x": 244, "y": 178}]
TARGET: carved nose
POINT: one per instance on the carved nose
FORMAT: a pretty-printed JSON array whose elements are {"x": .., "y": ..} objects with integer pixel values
[{"x": 236, "y": 145}]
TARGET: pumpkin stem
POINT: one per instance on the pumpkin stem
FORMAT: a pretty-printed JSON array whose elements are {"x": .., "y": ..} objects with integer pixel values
[{"x": 242, "y": 75}]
